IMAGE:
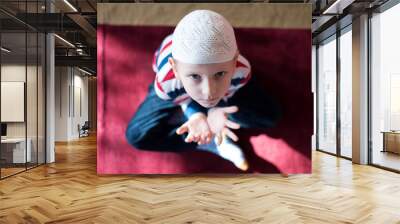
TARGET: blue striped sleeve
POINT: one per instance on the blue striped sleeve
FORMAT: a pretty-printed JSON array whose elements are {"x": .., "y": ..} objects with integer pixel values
[
  {"x": 192, "y": 108},
  {"x": 164, "y": 61}
]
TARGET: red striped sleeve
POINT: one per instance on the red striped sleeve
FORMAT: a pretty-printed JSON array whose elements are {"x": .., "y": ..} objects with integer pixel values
[
  {"x": 170, "y": 75},
  {"x": 240, "y": 64},
  {"x": 165, "y": 46},
  {"x": 245, "y": 80},
  {"x": 159, "y": 86}
]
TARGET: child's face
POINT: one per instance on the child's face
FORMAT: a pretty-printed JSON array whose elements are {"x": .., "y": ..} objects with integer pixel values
[{"x": 207, "y": 84}]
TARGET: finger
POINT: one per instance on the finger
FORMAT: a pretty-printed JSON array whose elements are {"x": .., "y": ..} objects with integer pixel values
[
  {"x": 230, "y": 134},
  {"x": 231, "y": 109},
  {"x": 196, "y": 138},
  {"x": 218, "y": 139},
  {"x": 202, "y": 139},
  {"x": 193, "y": 137},
  {"x": 189, "y": 138},
  {"x": 232, "y": 125},
  {"x": 208, "y": 138},
  {"x": 182, "y": 129}
]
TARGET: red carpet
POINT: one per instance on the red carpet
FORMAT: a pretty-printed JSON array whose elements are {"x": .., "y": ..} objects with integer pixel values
[{"x": 282, "y": 59}]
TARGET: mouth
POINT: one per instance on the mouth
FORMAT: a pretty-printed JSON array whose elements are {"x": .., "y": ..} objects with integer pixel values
[{"x": 211, "y": 102}]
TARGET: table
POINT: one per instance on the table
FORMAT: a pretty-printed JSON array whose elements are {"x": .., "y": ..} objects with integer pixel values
[
  {"x": 15, "y": 148},
  {"x": 391, "y": 141}
]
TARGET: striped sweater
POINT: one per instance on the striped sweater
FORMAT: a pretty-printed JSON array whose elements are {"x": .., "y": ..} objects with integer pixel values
[{"x": 167, "y": 87}]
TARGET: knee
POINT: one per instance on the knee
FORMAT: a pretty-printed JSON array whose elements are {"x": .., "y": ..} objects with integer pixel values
[{"x": 136, "y": 136}]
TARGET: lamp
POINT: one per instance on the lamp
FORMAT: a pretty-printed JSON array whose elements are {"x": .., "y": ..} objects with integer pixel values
[
  {"x": 5, "y": 50},
  {"x": 70, "y": 5},
  {"x": 64, "y": 40}
]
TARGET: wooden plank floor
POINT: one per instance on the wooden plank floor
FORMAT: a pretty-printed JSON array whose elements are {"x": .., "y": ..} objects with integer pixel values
[{"x": 70, "y": 191}]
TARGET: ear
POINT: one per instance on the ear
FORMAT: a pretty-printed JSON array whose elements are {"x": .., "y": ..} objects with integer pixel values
[
  {"x": 173, "y": 66},
  {"x": 236, "y": 56}
]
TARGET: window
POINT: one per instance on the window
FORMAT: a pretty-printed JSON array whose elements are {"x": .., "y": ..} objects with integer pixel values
[
  {"x": 385, "y": 88},
  {"x": 346, "y": 92},
  {"x": 327, "y": 96},
  {"x": 22, "y": 78}
]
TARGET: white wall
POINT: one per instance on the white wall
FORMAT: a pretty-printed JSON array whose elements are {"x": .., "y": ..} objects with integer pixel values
[
  {"x": 33, "y": 127},
  {"x": 80, "y": 84},
  {"x": 12, "y": 73},
  {"x": 71, "y": 93},
  {"x": 61, "y": 103},
  {"x": 16, "y": 73}
]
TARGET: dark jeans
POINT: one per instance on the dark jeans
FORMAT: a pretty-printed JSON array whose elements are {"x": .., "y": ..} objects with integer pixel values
[{"x": 154, "y": 124}]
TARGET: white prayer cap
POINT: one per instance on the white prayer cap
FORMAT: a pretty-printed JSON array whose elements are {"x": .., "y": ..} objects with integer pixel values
[{"x": 203, "y": 37}]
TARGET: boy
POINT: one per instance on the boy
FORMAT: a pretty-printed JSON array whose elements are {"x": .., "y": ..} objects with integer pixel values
[{"x": 198, "y": 71}]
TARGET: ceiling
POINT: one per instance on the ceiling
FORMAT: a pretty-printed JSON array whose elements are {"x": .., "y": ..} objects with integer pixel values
[
  {"x": 76, "y": 25},
  {"x": 75, "y": 21}
]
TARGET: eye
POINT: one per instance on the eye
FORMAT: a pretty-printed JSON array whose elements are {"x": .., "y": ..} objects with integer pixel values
[
  {"x": 220, "y": 74},
  {"x": 195, "y": 77}
]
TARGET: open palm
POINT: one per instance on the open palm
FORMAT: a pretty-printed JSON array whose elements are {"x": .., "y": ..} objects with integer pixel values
[{"x": 219, "y": 124}]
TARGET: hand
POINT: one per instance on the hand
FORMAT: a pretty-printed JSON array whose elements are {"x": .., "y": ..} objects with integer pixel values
[
  {"x": 217, "y": 119},
  {"x": 197, "y": 129}
]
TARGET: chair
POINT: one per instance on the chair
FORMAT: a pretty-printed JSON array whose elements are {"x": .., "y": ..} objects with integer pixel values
[{"x": 84, "y": 130}]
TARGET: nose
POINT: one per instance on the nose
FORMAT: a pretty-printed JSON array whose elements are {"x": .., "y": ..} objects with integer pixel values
[{"x": 209, "y": 89}]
